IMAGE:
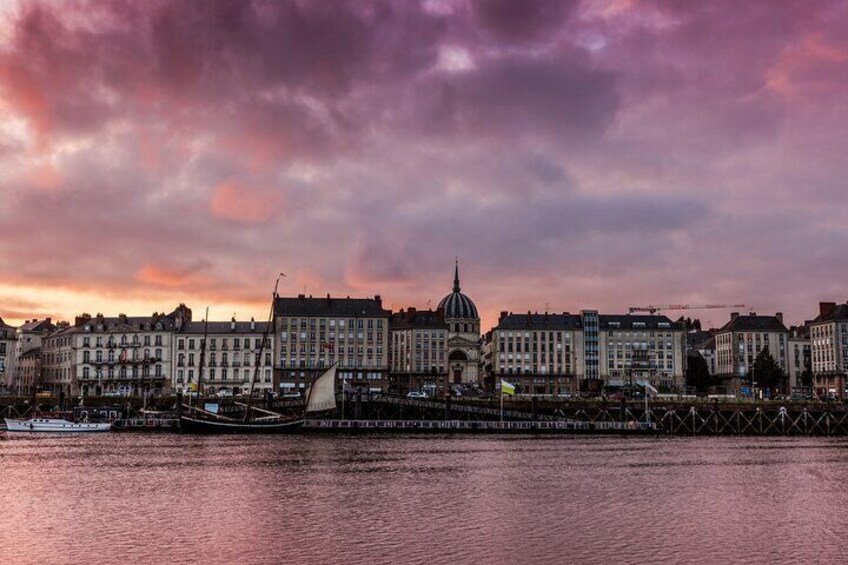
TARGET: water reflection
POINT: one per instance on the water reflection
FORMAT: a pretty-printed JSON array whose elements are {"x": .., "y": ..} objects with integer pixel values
[{"x": 423, "y": 499}]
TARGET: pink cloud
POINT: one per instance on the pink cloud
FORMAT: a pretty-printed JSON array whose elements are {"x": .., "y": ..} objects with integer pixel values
[
  {"x": 236, "y": 202},
  {"x": 692, "y": 150}
]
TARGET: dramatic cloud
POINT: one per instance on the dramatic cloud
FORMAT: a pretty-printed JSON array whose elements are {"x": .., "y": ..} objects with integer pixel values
[{"x": 572, "y": 154}]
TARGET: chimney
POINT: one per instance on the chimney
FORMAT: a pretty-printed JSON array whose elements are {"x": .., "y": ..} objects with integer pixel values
[
  {"x": 779, "y": 316},
  {"x": 503, "y": 315},
  {"x": 301, "y": 296},
  {"x": 379, "y": 300},
  {"x": 252, "y": 324},
  {"x": 826, "y": 308},
  {"x": 411, "y": 310},
  {"x": 734, "y": 315},
  {"x": 233, "y": 324}
]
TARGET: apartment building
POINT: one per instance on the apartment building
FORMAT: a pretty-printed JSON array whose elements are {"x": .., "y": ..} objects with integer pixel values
[
  {"x": 538, "y": 353},
  {"x": 234, "y": 357},
  {"x": 418, "y": 350},
  {"x": 739, "y": 342},
  {"x": 27, "y": 373},
  {"x": 314, "y": 333},
  {"x": 59, "y": 360},
  {"x": 829, "y": 349},
  {"x": 648, "y": 348},
  {"x": 127, "y": 355},
  {"x": 8, "y": 340}
]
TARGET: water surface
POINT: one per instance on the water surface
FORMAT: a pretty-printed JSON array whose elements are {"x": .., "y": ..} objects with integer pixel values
[{"x": 109, "y": 498}]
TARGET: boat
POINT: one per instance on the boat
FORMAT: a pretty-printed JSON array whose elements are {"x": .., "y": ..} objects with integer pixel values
[
  {"x": 320, "y": 397},
  {"x": 44, "y": 424}
]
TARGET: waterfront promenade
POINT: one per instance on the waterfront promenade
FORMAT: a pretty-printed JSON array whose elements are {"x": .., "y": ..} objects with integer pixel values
[{"x": 394, "y": 414}]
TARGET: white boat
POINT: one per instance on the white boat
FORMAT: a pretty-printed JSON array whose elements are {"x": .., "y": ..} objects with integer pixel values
[{"x": 55, "y": 425}]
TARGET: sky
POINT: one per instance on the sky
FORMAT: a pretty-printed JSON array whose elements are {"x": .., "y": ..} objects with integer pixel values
[{"x": 572, "y": 154}]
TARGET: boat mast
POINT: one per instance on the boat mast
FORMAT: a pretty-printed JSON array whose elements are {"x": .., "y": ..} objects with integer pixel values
[
  {"x": 202, "y": 359},
  {"x": 261, "y": 349}
]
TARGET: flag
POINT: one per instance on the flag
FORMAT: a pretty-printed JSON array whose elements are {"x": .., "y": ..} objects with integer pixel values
[
  {"x": 507, "y": 388},
  {"x": 649, "y": 389}
]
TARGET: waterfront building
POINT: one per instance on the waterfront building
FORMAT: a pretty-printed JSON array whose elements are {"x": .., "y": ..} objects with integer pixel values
[
  {"x": 799, "y": 357},
  {"x": 739, "y": 342},
  {"x": 8, "y": 340},
  {"x": 642, "y": 348},
  {"x": 313, "y": 333},
  {"x": 418, "y": 352},
  {"x": 59, "y": 359},
  {"x": 591, "y": 382},
  {"x": 538, "y": 353},
  {"x": 829, "y": 349},
  {"x": 127, "y": 355},
  {"x": 232, "y": 356},
  {"x": 28, "y": 355},
  {"x": 703, "y": 343},
  {"x": 463, "y": 334}
]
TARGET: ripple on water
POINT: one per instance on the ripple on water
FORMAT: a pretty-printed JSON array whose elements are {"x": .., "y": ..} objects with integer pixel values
[{"x": 406, "y": 499}]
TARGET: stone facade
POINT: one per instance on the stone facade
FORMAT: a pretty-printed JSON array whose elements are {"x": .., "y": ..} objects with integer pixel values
[
  {"x": 418, "y": 355},
  {"x": 829, "y": 350},
  {"x": 314, "y": 333},
  {"x": 739, "y": 342},
  {"x": 234, "y": 357},
  {"x": 463, "y": 335}
]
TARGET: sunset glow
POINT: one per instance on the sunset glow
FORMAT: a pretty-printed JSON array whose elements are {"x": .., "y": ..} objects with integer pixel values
[{"x": 571, "y": 154}]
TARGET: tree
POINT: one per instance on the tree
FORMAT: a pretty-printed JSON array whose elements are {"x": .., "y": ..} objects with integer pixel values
[
  {"x": 807, "y": 374},
  {"x": 698, "y": 374},
  {"x": 767, "y": 372}
]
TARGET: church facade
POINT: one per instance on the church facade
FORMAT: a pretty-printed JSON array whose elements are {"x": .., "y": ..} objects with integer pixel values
[{"x": 463, "y": 343}]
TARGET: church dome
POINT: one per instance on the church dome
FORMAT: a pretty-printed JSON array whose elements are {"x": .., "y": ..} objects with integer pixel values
[{"x": 456, "y": 304}]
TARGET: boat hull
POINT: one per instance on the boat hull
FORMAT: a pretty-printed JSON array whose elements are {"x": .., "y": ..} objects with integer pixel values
[
  {"x": 199, "y": 426},
  {"x": 55, "y": 425}
]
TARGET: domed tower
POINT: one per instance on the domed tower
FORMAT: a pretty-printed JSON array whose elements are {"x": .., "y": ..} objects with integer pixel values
[{"x": 463, "y": 334}]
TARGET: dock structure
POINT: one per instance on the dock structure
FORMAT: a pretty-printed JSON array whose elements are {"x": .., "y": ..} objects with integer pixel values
[{"x": 479, "y": 426}]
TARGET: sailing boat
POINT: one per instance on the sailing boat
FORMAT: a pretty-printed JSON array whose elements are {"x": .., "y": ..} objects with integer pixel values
[{"x": 320, "y": 397}]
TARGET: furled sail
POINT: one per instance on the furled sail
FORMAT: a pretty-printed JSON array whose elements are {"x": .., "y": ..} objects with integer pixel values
[{"x": 322, "y": 394}]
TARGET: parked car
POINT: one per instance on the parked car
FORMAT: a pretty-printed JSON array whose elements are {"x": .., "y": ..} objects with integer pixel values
[
  {"x": 416, "y": 394},
  {"x": 225, "y": 393}
]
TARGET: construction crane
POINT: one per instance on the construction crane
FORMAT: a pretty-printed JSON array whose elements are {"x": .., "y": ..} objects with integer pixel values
[{"x": 655, "y": 309}]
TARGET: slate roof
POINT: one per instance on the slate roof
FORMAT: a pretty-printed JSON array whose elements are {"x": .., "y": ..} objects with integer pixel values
[
  {"x": 217, "y": 328},
  {"x": 113, "y": 324},
  {"x": 330, "y": 307},
  {"x": 754, "y": 323},
  {"x": 457, "y": 305},
  {"x": 630, "y": 322},
  {"x": 696, "y": 338},
  {"x": 838, "y": 314},
  {"x": 64, "y": 331},
  {"x": 37, "y": 326},
  {"x": 418, "y": 319},
  {"x": 540, "y": 322}
]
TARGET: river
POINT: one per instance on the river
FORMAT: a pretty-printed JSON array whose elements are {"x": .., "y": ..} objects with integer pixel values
[{"x": 127, "y": 498}]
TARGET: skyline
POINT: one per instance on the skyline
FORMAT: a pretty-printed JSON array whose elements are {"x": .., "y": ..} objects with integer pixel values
[{"x": 572, "y": 154}]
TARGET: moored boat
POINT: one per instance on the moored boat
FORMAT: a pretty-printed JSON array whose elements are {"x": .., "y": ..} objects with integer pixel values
[
  {"x": 54, "y": 425},
  {"x": 195, "y": 425}
]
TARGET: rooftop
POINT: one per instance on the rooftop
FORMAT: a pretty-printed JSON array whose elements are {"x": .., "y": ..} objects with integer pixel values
[
  {"x": 218, "y": 328},
  {"x": 754, "y": 323},
  {"x": 330, "y": 307},
  {"x": 412, "y": 318}
]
